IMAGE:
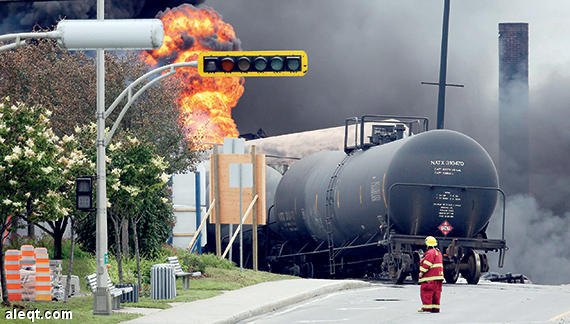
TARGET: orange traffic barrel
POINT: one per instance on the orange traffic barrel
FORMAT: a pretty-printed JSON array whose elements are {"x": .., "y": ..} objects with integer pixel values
[
  {"x": 40, "y": 250},
  {"x": 13, "y": 280},
  {"x": 28, "y": 272},
  {"x": 28, "y": 256},
  {"x": 43, "y": 278}
]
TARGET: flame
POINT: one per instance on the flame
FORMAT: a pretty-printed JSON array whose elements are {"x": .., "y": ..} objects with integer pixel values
[{"x": 205, "y": 103}]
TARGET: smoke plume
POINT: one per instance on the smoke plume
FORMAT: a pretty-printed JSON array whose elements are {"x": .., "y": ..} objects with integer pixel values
[
  {"x": 538, "y": 241},
  {"x": 22, "y": 17},
  {"x": 369, "y": 58}
]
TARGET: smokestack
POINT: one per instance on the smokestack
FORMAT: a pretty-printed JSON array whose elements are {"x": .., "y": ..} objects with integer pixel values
[{"x": 513, "y": 108}]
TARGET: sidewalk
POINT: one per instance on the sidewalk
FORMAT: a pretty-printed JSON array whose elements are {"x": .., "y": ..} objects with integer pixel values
[{"x": 236, "y": 305}]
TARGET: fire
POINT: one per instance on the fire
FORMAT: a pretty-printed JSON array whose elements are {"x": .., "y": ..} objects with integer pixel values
[{"x": 206, "y": 103}]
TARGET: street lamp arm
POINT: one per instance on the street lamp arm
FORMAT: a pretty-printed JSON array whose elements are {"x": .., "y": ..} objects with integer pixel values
[
  {"x": 141, "y": 79},
  {"x": 51, "y": 34},
  {"x": 130, "y": 102},
  {"x": 19, "y": 38}
]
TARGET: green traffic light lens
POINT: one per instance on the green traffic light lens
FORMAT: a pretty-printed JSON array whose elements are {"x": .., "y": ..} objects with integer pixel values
[
  {"x": 277, "y": 63},
  {"x": 227, "y": 64},
  {"x": 243, "y": 64},
  {"x": 260, "y": 63},
  {"x": 293, "y": 63}
]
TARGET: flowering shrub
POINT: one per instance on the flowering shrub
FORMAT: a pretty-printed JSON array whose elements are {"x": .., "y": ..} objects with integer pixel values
[{"x": 31, "y": 173}]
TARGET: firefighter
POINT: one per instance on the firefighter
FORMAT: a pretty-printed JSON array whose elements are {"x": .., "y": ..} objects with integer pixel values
[{"x": 431, "y": 277}]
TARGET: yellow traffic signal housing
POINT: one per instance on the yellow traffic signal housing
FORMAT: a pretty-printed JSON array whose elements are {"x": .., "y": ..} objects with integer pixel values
[{"x": 252, "y": 63}]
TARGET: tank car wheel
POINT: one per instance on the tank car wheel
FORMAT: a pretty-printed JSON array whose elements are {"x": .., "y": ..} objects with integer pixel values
[
  {"x": 472, "y": 272},
  {"x": 399, "y": 276},
  {"x": 415, "y": 273},
  {"x": 451, "y": 276}
]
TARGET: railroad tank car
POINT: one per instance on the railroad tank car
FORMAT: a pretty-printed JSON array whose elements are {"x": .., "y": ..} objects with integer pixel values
[{"x": 374, "y": 203}]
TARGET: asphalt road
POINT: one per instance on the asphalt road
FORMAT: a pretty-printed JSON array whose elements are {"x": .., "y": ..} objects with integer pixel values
[{"x": 461, "y": 303}]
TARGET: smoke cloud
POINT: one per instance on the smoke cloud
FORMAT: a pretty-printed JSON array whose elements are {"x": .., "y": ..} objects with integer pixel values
[
  {"x": 22, "y": 17},
  {"x": 538, "y": 241},
  {"x": 369, "y": 58}
]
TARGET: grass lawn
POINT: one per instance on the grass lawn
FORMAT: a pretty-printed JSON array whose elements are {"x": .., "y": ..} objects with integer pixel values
[{"x": 211, "y": 284}]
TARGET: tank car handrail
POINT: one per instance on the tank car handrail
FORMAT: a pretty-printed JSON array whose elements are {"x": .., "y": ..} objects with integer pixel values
[
  {"x": 408, "y": 120},
  {"x": 346, "y": 148},
  {"x": 429, "y": 185}
]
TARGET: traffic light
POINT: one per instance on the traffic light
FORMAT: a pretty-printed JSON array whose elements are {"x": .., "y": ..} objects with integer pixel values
[
  {"x": 252, "y": 63},
  {"x": 84, "y": 193}
]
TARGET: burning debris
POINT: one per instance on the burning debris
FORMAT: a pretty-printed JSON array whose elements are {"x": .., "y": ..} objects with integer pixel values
[{"x": 206, "y": 103}]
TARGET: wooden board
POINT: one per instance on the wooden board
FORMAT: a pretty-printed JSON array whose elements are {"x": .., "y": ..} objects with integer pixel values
[{"x": 229, "y": 197}]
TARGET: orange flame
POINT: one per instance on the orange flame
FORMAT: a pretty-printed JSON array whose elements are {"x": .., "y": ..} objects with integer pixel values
[{"x": 206, "y": 103}]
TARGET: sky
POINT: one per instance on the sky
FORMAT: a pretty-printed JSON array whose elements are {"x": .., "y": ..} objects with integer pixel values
[{"x": 369, "y": 57}]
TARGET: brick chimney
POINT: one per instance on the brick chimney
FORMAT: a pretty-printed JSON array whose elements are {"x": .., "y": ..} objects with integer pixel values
[{"x": 513, "y": 108}]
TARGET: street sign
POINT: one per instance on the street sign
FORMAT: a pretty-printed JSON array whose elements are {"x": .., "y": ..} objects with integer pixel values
[{"x": 241, "y": 175}]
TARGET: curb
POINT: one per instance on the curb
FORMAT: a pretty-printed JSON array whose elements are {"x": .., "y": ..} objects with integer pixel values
[{"x": 337, "y": 286}]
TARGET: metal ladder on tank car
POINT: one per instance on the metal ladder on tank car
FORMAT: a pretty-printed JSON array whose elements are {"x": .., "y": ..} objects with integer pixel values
[{"x": 329, "y": 212}]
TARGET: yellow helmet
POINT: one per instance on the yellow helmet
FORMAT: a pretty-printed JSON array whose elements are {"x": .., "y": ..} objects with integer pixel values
[{"x": 431, "y": 241}]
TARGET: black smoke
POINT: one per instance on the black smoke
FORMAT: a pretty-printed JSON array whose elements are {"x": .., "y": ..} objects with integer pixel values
[
  {"x": 22, "y": 17},
  {"x": 369, "y": 57}
]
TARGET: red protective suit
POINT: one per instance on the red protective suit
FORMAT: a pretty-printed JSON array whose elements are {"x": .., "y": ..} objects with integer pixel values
[{"x": 431, "y": 280}]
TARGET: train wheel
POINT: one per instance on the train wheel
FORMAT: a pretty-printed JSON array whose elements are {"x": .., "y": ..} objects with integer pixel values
[
  {"x": 472, "y": 270},
  {"x": 415, "y": 273},
  {"x": 451, "y": 276},
  {"x": 398, "y": 276}
]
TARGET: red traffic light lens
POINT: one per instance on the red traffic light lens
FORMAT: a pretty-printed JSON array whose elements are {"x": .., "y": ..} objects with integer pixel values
[{"x": 227, "y": 64}]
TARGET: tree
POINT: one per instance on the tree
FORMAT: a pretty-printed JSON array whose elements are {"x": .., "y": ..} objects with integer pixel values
[
  {"x": 64, "y": 82},
  {"x": 137, "y": 176},
  {"x": 30, "y": 181},
  {"x": 71, "y": 163}
]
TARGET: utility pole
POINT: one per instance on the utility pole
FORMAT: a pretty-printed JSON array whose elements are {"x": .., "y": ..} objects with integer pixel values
[{"x": 443, "y": 68}]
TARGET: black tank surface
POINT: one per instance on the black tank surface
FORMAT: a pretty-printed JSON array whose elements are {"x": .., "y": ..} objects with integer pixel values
[{"x": 354, "y": 192}]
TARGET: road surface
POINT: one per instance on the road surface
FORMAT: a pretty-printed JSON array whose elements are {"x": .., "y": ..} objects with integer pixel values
[{"x": 486, "y": 302}]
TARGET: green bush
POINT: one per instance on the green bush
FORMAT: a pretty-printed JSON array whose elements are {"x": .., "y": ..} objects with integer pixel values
[
  {"x": 16, "y": 242},
  {"x": 199, "y": 262}
]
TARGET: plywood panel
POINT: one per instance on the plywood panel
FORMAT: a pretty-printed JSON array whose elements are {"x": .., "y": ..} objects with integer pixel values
[{"x": 229, "y": 197}]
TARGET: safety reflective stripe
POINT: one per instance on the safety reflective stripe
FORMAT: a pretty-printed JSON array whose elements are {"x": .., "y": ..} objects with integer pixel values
[
  {"x": 437, "y": 265},
  {"x": 422, "y": 269},
  {"x": 427, "y": 262},
  {"x": 430, "y": 306},
  {"x": 424, "y": 279}
]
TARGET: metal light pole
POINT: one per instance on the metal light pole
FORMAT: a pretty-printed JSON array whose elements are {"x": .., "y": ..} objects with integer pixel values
[{"x": 102, "y": 300}]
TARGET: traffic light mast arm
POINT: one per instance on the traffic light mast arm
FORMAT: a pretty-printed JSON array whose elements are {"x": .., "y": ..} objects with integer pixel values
[{"x": 132, "y": 98}]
